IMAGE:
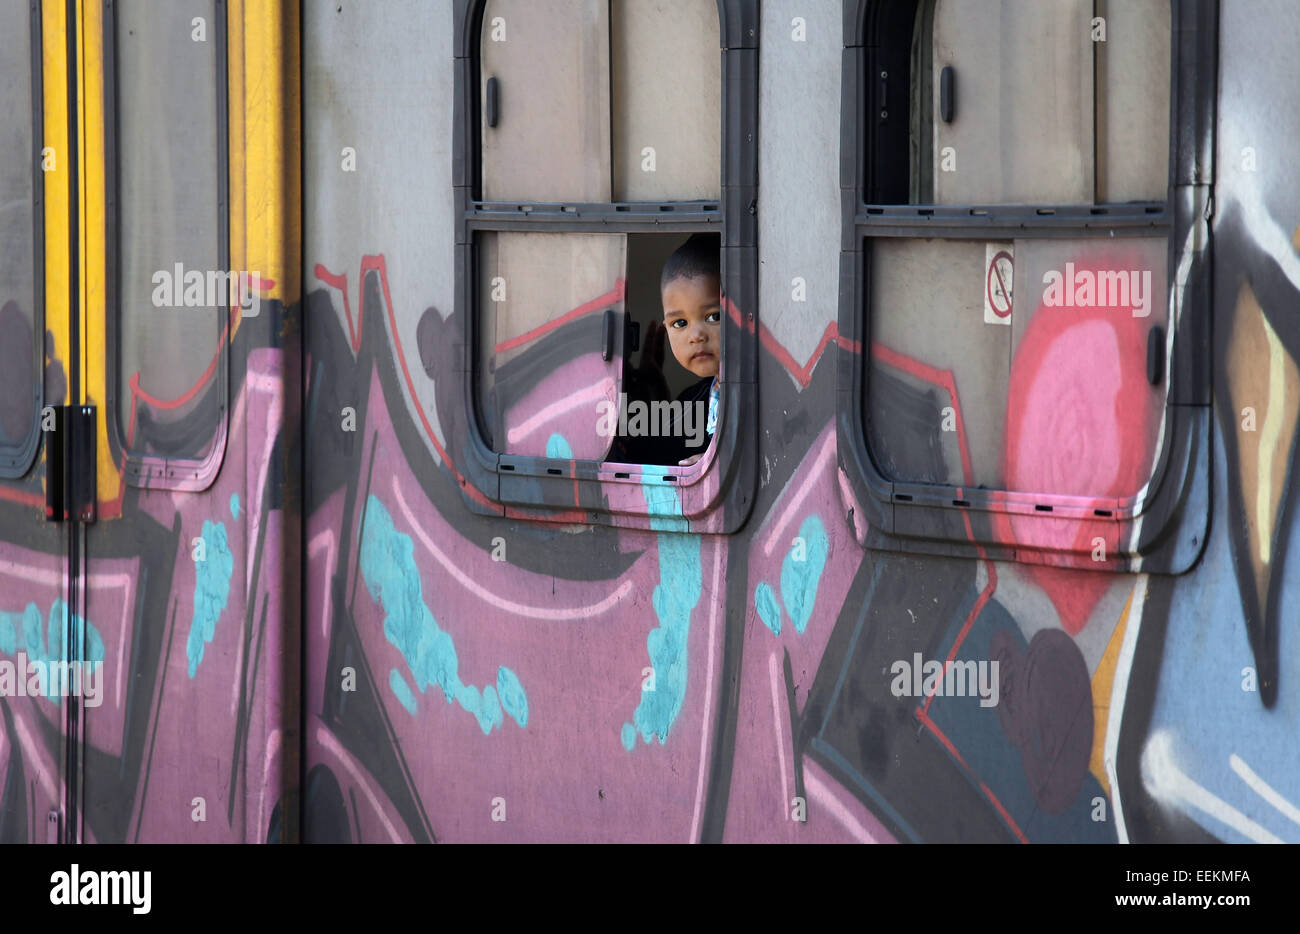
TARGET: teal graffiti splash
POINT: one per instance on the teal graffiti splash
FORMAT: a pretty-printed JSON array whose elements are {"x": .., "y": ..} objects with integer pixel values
[
  {"x": 675, "y": 597},
  {"x": 799, "y": 579},
  {"x": 768, "y": 609},
  {"x": 402, "y": 691},
  {"x": 211, "y": 590},
  {"x": 558, "y": 446},
  {"x": 234, "y": 505},
  {"x": 393, "y": 580},
  {"x": 21, "y": 632},
  {"x": 512, "y": 695}
]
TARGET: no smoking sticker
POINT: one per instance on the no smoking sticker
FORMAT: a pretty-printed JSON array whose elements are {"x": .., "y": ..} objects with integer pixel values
[{"x": 999, "y": 266}]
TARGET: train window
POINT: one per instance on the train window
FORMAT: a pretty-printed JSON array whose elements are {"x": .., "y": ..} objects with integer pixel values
[
  {"x": 20, "y": 286},
  {"x": 173, "y": 289},
  {"x": 666, "y": 100},
  {"x": 623, "y": 104},
  {"x": 1074, "y": 413},
  {"x": 550, "y": 310},
  {"x": 580, "y": 170},
  {"x": 1031, "y": 102},
  {"x": 545, "y": 128},
  {"x": 1132, "y": 102},
  {"x": 1026, "y": 380}
]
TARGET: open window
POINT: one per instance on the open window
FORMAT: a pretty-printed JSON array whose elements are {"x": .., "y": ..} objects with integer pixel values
[
  {"x": 170, "y": 288},
  {"x": 594, "y": 137},
  {"x": 21, "y": 238},
  {"x": 1033, "y": 375}
]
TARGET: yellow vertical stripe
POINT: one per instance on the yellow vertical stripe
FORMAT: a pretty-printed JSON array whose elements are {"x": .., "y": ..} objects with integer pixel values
[
  {"x": 54, "y": 59},
  {"x": 269, "y": 225},
  {"x": 93, "y": 238},
  {"x": 235, "y": 125}
]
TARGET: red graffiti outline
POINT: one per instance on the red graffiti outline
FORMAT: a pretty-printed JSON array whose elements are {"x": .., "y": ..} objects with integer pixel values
[{"x": 379, "y": 264}]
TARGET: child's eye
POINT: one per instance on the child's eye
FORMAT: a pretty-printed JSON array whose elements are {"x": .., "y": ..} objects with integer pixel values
[
  {"x": 678, "y": 323},
  {"x": 715, "y": 316}
]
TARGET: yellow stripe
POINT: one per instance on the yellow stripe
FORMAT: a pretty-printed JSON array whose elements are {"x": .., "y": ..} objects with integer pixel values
[
  {"x": 54, "y": 58},
  {"x": 270, "y": 224},
  {"x": 235, "y": 109},
  {"x": 93, "y": 235}
]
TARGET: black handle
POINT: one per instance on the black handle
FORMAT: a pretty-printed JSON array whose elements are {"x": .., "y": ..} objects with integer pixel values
[
  {"x": 1156, "y": 355},
  {"x": 947, "y": 93},
  {"x": 607, "y": 334},
  {"x": 492, "y": 104}
]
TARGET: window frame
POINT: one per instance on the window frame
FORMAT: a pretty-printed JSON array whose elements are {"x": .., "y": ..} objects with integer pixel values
[
  {"x": 150, "y": 471},
  {"x": 1163, "y": 527},
  {"x": 716, "y": 494},
  {"x": 17, "y": 459}
]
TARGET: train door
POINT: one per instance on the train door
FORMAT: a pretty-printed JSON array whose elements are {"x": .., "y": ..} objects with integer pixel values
[
  {"x": 38, "y": 540},
  {"x": 183, "y": 379}
]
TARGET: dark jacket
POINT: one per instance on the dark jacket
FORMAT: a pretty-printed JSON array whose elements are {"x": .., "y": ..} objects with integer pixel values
[{"x": 673, "y": 447}]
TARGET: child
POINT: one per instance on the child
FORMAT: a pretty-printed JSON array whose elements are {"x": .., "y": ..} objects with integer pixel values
[{"x": 690, "y": 288}]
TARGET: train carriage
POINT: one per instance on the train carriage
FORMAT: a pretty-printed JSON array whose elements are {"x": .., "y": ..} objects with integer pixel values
[{"x": 310, "y": 311}]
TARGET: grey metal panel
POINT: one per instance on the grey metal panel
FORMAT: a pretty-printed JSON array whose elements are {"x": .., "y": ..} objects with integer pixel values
[
  {"x": 1023, "y": 126},
  {"x": 19, "y": 373},
  {"x": 167, "y": 137},
  {"x": 799, "y": 223},
  {"x": 926, "y": 302},
  {"x": 666, "y": 95},
  {"x": 1133, "y": 83},
  {"x": 377, "y": 79},
  {"x": 1259, "y": 106},
  {"x": 550, "y": 59}
]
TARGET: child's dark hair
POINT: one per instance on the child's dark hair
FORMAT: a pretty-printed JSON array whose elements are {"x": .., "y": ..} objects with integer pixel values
[{"x": 698, "y": 256}]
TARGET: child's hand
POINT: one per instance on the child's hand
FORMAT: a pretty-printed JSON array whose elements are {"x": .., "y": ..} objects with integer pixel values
[{"x": 690, "y": 460}]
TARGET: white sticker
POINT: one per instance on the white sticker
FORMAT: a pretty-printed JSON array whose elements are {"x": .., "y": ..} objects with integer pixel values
[{"x": 998, "y": 273}]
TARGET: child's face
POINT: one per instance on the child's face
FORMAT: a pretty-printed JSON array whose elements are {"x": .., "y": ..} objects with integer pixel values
[{"x": 693, "y": 317}]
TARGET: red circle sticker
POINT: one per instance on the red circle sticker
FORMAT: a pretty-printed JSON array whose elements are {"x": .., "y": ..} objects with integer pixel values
[{"x": 998, "y": 286}]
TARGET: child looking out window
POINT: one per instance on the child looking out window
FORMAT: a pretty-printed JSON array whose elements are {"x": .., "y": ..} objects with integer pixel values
[{"x": 677, "y": 433}]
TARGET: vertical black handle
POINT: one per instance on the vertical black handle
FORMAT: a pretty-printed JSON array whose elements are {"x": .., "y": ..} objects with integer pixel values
[
  {"x": 947, "y": 93},
  {"x": 608, "y": 327},
  {"x": 1155, "y": 355},
  {"x": 492, "y": 104}
]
